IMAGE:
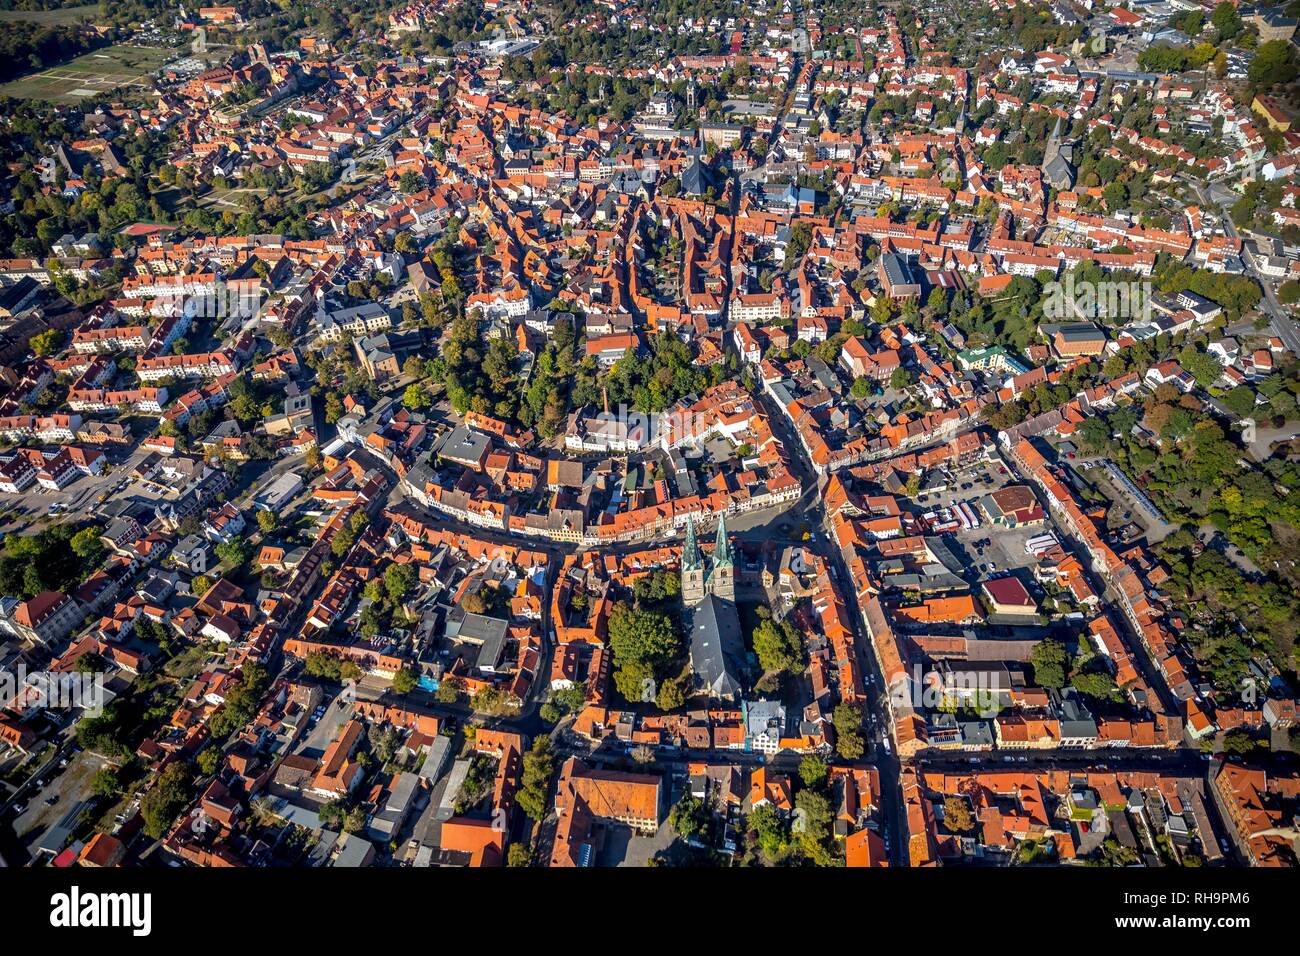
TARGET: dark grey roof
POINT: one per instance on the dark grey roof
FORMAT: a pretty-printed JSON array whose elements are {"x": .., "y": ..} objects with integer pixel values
[
  {"x": 695, "y": 178},
  {"x": 717, "y": 650},
  {"x": 465, "y": 444},
  {"x": 464, "y": 625},
  {"x": 897, "y": 270}
]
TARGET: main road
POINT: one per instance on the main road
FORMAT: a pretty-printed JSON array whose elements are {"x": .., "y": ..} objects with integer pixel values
[{"x": 1283, "y": 325}]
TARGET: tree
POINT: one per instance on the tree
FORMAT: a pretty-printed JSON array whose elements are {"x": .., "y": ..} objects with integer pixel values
[
  {"x": 900, "y": 379},
  {"x": 44, "y": 343},
  {"x": 1029, "y": 852},
  {"x": 1273, "y": 64},
  {"x": 847, "y": 721},
  {"x": 159, "y": 806},
  {"x": 355, "y": 821},
  {"x": 813, "y": 826},
  {"x": 1202, "y": 366},
  {"x": 799, "y": 242},
  {"x": 689, "y": 817},
  {"x": 813, "y": 771},
  {"x": 1163, "y": 58},
  {"x": 1049, "y": 661},
  {"x": 105, "y": 783},
  {"x": 1094, "y": 435},
  {"x": 87, "y": 546},
  {"x": 233, "y": 553},
  {"x": 332, "y": 814},
  {"x": 642, "y": 641},
  {"x": 768, "y": 831},
  {"x": 1094, "y": 684},
  {"x": 1238, "y": 743},
  {"x": 539, "y": 764},
  {"x": 656, "y": 588},
  {"x": 1115, "y": 193},
  {"x": 670, "y": 696},
  {"x": 208, "y": 761},
  {"x": 519, "y": 855},
  {"x": 416, "y": 397},
  {"x": 265, "y": 520},
  {"x": 1114, "y": 854},
  {"x": 956, "y": 815},
  {"x": 342, "y": 541},
  {"x": 635, "y": 680},
  {"x": 488, "y": 700},
  {"x": 1226, "y": 20},
  {"x": 398, "y": 581},
  {"x": 241, "y": 701},
  {"x": 410, "y": 182},
  {"x": 1240, "y": 401},
  {"x": 320, "y": 664},
  {"x": 405, "y": 680},
  {"x": 778, "y": 647}
]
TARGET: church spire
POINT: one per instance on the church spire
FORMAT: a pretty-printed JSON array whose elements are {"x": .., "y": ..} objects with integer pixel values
[
  {"x": 722, "y": 557},
  {"x": 691, "y": 553}
]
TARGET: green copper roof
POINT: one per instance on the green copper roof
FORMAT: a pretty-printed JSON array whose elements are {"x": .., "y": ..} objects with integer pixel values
[
  {"x": 722, "y": 557},
  {"x": 691, "y": 553}
]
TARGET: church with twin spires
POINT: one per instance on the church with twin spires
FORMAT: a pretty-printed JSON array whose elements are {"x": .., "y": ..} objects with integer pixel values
[{"x": 717, "y": 648}]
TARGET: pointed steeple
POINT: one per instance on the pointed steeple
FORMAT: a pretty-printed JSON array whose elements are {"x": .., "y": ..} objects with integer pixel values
[
  {"x": 722, "y": 557},
  {"x": 691, "y": 553}
]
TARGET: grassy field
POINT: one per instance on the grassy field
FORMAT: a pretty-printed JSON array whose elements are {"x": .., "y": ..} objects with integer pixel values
[
  {"x": 89, "y": 11},
  {"x": 90, "y": 74}
]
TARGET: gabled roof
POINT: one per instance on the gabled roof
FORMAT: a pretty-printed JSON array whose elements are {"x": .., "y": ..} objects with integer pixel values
[{"x": 717, "y": 650}]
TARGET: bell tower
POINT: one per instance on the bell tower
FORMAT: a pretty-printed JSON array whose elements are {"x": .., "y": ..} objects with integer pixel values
[
  {"x": 722, "y": 580},
  {"x": 693, "y": 574}
]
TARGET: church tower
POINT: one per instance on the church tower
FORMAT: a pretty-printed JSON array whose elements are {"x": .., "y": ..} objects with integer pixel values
[
  {"x": 693, "y": 575},
  {"x": 722, "y": 581}
]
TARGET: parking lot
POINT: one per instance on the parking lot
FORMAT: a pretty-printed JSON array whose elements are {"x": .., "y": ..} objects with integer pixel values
[
  {"x": 1004, "y": 550},
  {"x": 81, "y": 496},
  {"x": 324, "y": 729},
  {"x": 47, "y": 815},
  {"x": 967, "y": 484},
  {"x": 988, "y": 549}
]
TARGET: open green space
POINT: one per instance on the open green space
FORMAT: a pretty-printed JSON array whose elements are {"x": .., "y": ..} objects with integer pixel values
[{"x": 90, "y": 74}]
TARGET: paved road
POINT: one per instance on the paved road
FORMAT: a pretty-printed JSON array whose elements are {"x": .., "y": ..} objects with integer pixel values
[
  {"x": 877, "y": 715},
  {"x": 1283, "y": 326}
]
